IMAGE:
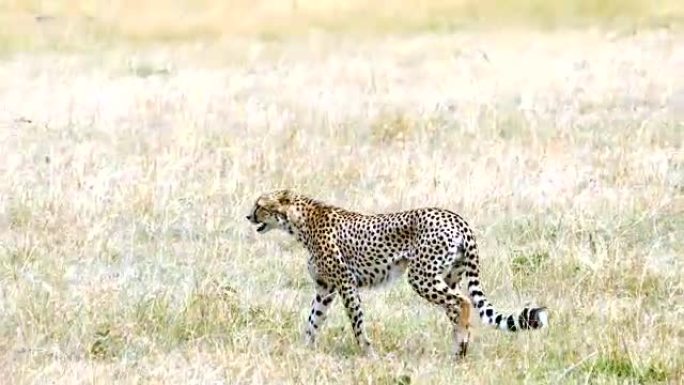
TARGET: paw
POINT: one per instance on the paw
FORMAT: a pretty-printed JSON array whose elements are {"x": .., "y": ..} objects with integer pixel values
[
  {"x": 461, "y": 339},
  {"x": 462, "y": 349},
  {"x": 370, "y": 353},
  {"x": 309, "y": 339},
  {"x": 367, "y": 348}
]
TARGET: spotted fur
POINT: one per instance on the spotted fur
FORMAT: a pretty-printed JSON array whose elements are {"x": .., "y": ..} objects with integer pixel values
[{"x": 349, "y": 250}]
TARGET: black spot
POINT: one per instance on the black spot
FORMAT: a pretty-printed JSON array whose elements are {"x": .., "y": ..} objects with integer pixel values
[
  {"x": 480, "y": 303},
  {"x": 489, "y": 312},
  {"x": 498, "y": 319},
  {"x": 477, "y": 293},
  {"x": 319, "y": 313},
  {"x": 510, "y": 322}
]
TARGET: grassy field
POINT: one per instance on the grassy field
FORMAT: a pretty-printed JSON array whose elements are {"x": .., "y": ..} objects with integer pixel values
[
  {"x": 133, "y": 143},
  {"x": 87, "y": 25}
]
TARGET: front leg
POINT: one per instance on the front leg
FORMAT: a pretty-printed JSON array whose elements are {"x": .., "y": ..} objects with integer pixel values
[
  {"x": 352, "y": 303},
  {"x": 325, "y": 294}
]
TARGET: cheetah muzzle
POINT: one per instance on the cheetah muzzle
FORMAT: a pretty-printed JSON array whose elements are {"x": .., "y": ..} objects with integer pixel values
[
  {"x": 261, "y": 227},
  {"x": 349, "y": 250}
]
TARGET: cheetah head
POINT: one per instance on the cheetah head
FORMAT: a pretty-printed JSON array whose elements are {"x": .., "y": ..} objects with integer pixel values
[{"x": 270, "y": 211}]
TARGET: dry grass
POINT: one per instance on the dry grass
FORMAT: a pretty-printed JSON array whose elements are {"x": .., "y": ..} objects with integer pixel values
[
  {"x": 126, "y": 175},
  {"x": 94, "y": 24}
]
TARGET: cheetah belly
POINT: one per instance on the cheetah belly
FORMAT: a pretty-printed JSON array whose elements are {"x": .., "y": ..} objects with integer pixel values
[{"x": 381, "y": 272}]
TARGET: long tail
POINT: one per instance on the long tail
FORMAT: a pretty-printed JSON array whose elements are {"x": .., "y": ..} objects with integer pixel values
[{"x": 527, "y": 318}]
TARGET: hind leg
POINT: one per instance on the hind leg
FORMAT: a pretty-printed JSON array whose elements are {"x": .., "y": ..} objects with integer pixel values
[
  {"x": 434, "y": 288},
  {"x": 453, "y": 277}
]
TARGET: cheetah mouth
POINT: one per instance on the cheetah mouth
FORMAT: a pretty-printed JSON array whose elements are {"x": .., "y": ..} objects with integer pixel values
[{"x": 261, "y": 226}]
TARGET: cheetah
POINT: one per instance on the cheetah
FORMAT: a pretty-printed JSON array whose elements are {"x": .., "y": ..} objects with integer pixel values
[{"x": 350, "y": 250}]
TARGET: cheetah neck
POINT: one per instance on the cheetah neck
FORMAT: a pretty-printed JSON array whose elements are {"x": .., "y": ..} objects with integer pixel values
[{"x": 303, "y": 215}]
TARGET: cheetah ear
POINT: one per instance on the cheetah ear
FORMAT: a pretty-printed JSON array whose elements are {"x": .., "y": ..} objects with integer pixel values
[
  {"x": 285, "y": 198},
  {"x": 278, "y": 201}
]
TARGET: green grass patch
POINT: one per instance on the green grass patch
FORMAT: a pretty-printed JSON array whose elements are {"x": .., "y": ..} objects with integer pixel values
[{"x": 619, "y": 365}]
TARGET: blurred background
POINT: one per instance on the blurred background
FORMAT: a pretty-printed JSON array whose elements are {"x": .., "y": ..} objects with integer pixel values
[
  {"x": 73, "y": 24},
  {"x": 136, "y": 135}
]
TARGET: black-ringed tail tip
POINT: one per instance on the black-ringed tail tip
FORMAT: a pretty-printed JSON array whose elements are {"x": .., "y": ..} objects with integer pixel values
[
  {"x": 529, "y": 318},
  {"x": 543, "y": 317}
]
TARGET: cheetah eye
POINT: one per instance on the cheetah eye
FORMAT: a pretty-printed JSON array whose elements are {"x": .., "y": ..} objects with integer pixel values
[{"x": 259, "y": 212}]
